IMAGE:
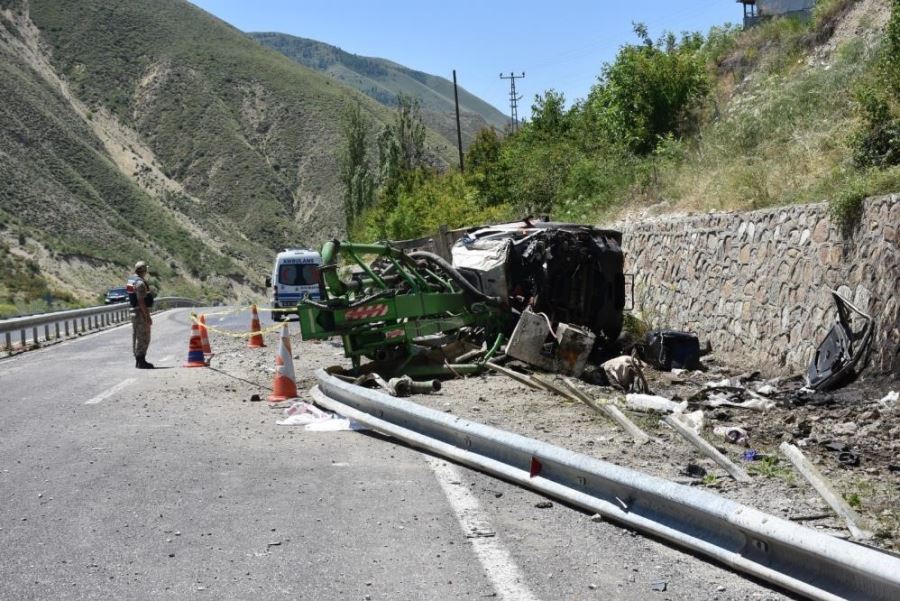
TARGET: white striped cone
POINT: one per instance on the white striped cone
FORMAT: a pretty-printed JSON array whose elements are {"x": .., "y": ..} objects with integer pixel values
[{"x": 285, "y": 385}]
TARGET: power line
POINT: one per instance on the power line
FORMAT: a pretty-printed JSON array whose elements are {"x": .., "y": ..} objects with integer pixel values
[{"x": 513, "y": 99}]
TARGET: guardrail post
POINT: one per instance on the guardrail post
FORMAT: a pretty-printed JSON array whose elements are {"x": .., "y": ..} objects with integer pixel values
[
  {"x": 82, "y": 324},
  {"x": 56, "y": 328},
  {"x": 66, "y": 327},
  {"x": 24, "y": 341},
  {"x": 9, "y": 342},
  {"x": 34, "y": 334},
  {"x": 46, "y": 331}
]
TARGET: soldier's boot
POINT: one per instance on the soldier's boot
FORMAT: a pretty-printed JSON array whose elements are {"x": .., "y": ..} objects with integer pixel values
[{"x": 143, "y": 364}]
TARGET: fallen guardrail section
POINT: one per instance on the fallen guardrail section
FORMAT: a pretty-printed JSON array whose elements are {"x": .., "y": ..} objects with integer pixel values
[
  {"x": 62, "y": 324},
  {"x": 796, "y": 558}
]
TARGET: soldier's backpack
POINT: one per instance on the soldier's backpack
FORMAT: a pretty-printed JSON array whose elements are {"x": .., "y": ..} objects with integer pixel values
[{"x": 132, "y": 297}]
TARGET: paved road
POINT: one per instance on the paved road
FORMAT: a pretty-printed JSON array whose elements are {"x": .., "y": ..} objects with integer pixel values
[{"x": 118, "y": 483}]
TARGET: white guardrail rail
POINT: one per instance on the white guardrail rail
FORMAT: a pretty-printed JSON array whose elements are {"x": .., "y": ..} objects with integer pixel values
[
  {"x": 62, "y": 324},
  {"x": 783, "y": 553}
]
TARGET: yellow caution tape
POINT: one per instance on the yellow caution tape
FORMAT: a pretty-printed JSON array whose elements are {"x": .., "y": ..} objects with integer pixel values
[
  {"x": 248, "y": 307},
  {"x": 275, "y": 310},
  {"x": 196, "y": 319}
]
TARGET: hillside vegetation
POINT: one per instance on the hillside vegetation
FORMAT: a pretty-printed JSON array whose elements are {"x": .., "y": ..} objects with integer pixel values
[
  {"x": 789, "y": 111},
  {"x": 154, "y": 130},
  {"x": 384, "y": 81}
]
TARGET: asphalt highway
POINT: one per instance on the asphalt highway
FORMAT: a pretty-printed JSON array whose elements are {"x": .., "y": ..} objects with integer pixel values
[{"x": 117, "y": 483}]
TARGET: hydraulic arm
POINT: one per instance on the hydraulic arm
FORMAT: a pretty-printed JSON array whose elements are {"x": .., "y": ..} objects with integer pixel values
[{"x": 394, "y": 308}]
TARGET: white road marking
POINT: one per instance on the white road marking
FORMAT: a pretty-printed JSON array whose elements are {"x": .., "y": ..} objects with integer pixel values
[
  {"x": 166, "y": 359},
  {"x": 498, "y": 564},
  {"x": 110, "y": 391}
]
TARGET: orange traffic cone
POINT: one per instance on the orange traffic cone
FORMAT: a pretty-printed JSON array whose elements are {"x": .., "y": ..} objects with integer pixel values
[
  {"x": 256, "y": 341},
  {"x": 204, "y": 336},
  {"x": 195, "y": 348},
  {"x": 285, "y": 386}
]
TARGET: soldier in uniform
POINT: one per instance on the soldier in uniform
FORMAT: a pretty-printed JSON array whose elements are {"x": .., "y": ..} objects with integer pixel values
[{"x": 141, "y": 300}]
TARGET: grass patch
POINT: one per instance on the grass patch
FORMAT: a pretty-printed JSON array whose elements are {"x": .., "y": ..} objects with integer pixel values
[
  {"x": 770, "y": 466},
  {"x": 710, "y": 480}
]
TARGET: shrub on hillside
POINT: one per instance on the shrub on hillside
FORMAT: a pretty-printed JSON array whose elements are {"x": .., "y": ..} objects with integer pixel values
[
  {"x": 877, "y": 143},
  {"x": 421, "y": 209},
  {"x": 649, "y": 91}
]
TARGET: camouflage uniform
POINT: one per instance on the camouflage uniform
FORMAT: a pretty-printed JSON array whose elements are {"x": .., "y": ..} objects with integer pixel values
[{"x": 140, "y": 336}]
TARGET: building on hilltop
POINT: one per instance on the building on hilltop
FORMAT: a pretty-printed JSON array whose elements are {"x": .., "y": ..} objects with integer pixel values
[{"x": 756, "y": 10}]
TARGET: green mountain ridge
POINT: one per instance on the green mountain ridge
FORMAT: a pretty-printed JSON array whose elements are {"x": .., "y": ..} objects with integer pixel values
[
  {"x": 154, "y": 130},
  {"x": 383, "y": 79}
]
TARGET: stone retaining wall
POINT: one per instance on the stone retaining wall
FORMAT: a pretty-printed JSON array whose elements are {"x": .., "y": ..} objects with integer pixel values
[{"x": 756, "y": 285}]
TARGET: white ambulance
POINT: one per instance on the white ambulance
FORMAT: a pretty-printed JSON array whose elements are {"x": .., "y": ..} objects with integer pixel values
[{"x": 295, "y": 276}]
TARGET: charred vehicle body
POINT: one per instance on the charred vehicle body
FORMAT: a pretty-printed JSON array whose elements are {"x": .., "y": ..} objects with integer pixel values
[{"x": 571, "y": 273}]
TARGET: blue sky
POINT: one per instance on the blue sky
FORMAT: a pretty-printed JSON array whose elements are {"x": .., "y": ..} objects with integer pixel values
[{"x": 563, "y": 48}]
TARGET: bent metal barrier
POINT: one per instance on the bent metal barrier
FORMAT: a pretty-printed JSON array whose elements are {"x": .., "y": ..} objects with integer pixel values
[
  {"x": 791, "y": 556},
  {"x": 75, "y": 321}
]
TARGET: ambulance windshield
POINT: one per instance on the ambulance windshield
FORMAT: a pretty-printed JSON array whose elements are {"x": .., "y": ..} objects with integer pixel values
[{"x": 298, "y": 275}]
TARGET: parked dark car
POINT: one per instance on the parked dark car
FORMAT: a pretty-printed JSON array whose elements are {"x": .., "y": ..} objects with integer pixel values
[{"x": 115, "y": 295}]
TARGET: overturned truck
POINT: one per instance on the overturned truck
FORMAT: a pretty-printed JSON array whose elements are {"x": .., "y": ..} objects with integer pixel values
[
  {"x": 414, "y": 312},
  {"x": 571, "y": 273}
]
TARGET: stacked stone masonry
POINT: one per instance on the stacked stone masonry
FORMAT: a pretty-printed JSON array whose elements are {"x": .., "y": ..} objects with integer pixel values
[{"x": 757, "y": 285}]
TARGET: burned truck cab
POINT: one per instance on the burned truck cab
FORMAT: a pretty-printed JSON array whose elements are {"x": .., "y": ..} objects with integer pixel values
[{"x": 570, "y": 273}]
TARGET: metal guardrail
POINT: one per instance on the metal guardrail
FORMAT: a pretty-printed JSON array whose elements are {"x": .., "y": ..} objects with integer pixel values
[
  {"x": 791, "y": 556},
  {"x": 76, "y": 321}
]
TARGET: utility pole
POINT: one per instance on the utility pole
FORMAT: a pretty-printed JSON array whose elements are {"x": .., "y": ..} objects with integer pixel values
[
  {"x": 513, "y": 99},
  {"x": 458, "y": 129}
]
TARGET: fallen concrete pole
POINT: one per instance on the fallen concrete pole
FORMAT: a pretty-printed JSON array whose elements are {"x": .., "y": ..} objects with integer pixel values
[
  {"x": 612, "y": 412},
  {"x": 818, "y": 481},
  {"x": 786, "y": 554},
  {"x": 523, "y": 378},
  {"x": 707, "y": 449}
]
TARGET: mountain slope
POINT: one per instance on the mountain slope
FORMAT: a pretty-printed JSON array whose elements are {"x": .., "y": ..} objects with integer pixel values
[
  {"x": 383, "y": 80},
  {"x": 64, "y": 201},
  {"x": 132, "y": 129}
]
